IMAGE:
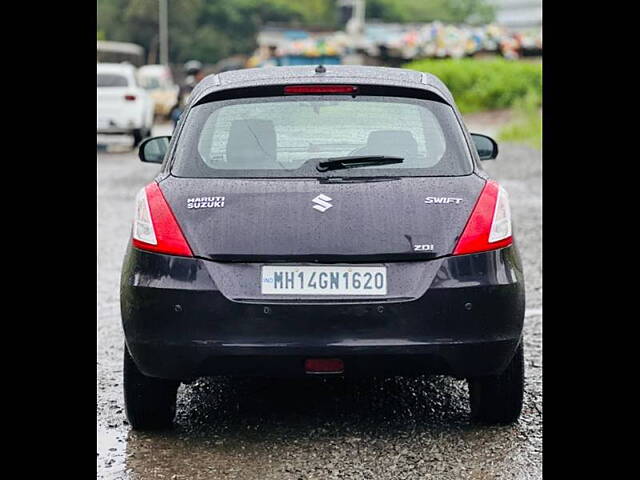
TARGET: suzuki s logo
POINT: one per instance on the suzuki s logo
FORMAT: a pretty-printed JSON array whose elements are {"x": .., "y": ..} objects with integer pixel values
[{"x": 322, "y": 203}]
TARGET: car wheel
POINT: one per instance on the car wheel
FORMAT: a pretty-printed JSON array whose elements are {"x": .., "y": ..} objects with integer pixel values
[
  {"x": 150, "y": 403},
  {"x": 138, "y": 136},
  {"x": 497, "y": 399}
]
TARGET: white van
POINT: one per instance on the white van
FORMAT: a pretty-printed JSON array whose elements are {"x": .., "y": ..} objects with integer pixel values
[{"x": 123, "y": 106}]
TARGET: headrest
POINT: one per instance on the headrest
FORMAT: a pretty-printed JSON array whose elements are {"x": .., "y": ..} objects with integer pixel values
[
  {"x": 251, "y": 142},
  {"x": 399, "y": 143}
]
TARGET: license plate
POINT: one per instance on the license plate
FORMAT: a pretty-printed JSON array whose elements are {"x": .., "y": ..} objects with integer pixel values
[{"x": 325, "y": 280}]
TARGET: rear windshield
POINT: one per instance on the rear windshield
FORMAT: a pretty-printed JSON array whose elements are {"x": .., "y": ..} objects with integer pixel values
[
  {"x": 112, "y": 80},
  {"x": 287, "y": 136}
]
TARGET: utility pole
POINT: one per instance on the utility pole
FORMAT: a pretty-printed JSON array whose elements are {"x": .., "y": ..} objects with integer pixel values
[
  {"x": 355, "y": 10},
  {"x": 164, "y": 33}
]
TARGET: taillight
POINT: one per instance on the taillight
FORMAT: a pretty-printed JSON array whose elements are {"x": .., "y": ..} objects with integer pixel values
[
  {"x": 154, "y": 226},
  {"x": 303, "y": 89},
  {"x": 489, "y": 226},
  {"x": 129, "y": 98}
]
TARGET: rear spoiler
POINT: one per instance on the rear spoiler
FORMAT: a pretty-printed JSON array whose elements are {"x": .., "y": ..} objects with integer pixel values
[{"x": 282, "y": 89}]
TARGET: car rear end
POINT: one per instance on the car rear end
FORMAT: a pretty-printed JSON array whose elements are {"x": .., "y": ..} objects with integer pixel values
[
  {"x": 248, "y": 259},
  {"x": 157, "y": 80},
  {"x": 123, "y": 107}
]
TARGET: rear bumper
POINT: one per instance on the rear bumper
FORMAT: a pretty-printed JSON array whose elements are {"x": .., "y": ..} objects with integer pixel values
[
  {"x": 118, "y": 124},
  {"x": 115, "y": 131},
  {"x": 192, "y": 361},
  {"x": 178, "y": 325}
]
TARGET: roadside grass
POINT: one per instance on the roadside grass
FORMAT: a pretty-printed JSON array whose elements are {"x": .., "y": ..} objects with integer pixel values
[
  {"x": 527, "y": 125},
  {"x": 495, "y": 84},
  {"x": 527, "y": 129},
  {"x": 486, "y": 84}
]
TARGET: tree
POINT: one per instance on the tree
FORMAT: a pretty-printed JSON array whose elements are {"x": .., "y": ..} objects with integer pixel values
[
  {"x": 210, "y": 30},
  {"x": 446, "y": 11}
]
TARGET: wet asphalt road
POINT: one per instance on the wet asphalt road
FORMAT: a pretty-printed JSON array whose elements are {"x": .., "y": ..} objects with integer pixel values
[{"x": 398, "y": 428}]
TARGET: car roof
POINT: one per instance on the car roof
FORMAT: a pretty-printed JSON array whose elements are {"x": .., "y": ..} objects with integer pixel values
[
  {"x": 116, "y": 68},
  {"x": 253, "y": 77},
  {"x": 153, "y": 69}
]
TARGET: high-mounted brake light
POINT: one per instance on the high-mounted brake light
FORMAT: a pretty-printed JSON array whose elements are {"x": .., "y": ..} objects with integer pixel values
[
  {"x": 323, "y": 365},
  {"x": 302, "y": 89},
  {"x": 154, "y": 227},
  {"x": 489, "y": 226}
]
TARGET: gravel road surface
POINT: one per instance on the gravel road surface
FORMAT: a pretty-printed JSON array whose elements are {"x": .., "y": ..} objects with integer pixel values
[{"x": 397, "y": 428}]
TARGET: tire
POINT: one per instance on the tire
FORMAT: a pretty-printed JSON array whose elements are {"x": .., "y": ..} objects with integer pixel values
[
  {"x": 150, "y": 403},
  {"x": 497, "y": 399},
  {"x": 138, "y": 136}
]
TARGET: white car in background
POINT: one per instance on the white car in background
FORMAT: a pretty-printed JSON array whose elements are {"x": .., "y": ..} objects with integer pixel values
[
  {"x": 123, "y": 106},
  {"x": 158, "y": 81}
]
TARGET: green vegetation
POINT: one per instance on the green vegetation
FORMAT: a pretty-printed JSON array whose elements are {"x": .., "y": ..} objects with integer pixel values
[
  {"x": 492, "y": 84},
  {"x": 527, "y": 129},
  {"x": 527, "y": 125},
  {"x": 446, "y": 11},
  {"x": 210, "y": 30}
]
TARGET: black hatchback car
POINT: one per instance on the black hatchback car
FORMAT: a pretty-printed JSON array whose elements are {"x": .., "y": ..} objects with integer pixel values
[{"x": 321, "y": 221}]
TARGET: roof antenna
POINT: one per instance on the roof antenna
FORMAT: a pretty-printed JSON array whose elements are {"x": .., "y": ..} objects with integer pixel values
[{"x": 320, "y": 69}]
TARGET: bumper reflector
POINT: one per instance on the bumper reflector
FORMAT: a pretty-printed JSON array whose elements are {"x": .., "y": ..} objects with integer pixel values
[{"x": 323, "y": 365}]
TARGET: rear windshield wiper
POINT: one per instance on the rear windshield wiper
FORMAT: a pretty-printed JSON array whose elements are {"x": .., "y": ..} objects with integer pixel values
[{"x": 338, "y": 163}]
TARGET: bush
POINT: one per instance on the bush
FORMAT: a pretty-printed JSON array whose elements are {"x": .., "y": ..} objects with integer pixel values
[
  {"x": 486, "y": 84},
  {"x": 527, "y": 125}
]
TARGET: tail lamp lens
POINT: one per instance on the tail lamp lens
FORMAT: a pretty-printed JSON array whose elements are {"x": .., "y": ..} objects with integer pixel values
[
  {"x": 155, "y": 228},
  {"x": 489, "y": 226}
]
